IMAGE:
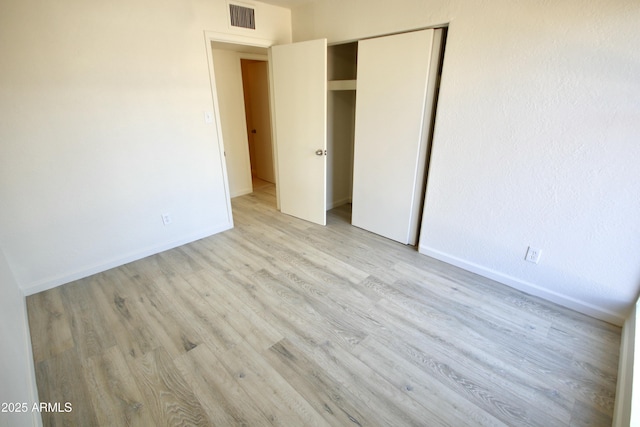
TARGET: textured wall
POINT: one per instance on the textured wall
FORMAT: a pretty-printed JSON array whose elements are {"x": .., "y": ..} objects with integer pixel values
[{"x": 536, "y": 139}]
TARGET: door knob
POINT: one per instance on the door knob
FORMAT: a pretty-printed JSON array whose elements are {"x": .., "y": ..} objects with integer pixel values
[{"x": 321, "y": 152}]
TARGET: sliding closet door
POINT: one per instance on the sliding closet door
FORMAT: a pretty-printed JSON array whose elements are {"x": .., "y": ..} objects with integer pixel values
[{"x": 390, "y": 139}]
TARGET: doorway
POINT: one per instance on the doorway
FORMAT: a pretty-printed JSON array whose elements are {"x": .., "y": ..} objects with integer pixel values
[
  {"x": 255, "y": 83},
  {"x": 240, "y": 76},
  {"x": 290, "y": 75}
]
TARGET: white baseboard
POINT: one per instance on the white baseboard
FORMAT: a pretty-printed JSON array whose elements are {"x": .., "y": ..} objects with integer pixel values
[
  {"x": 337, "y": 203},
  {"x": 242, "y": 192},
  {"x": 52, "y": 282},
  {"x": 530, "y": 288}
]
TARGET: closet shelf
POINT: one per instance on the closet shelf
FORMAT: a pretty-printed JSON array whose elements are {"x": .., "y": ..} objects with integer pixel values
[{"x": 341, "y": 85}]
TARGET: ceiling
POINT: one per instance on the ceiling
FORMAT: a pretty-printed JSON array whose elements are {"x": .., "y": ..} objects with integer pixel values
[{"x": 286, "y": 3}]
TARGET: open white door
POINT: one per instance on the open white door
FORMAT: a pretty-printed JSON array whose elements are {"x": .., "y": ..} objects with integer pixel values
[
  {"x": 390, "y": 137},
  {"x": 299, "y": 90}
]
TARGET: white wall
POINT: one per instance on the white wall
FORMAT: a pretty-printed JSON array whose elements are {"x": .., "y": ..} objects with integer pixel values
[
  {"x": 17, "y": 382},
  {"x": 536, "y": 139},
  {"x": 102, "y": 131},
  {"x": 228, "y": 74}
]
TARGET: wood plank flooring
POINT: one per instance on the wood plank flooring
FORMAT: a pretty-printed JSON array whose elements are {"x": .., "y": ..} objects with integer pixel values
[{"x": 282, "y": 322}]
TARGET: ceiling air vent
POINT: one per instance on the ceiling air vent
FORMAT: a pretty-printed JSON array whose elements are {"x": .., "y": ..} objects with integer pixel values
[{"x": 243, "y": 17}]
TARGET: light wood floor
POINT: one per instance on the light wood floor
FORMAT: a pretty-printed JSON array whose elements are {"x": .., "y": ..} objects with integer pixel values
[
  {"x": 282, "y": 322},
  {"x": 260, "y": 184}
]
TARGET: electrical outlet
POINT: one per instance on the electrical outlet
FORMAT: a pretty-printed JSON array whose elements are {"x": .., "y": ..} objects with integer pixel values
[
  {"x": 166, "y": 218},
  {"x": 533, "y": 255}
]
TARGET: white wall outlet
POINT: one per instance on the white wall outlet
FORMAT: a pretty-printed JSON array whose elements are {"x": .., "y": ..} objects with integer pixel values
[
  {"x": 208, "y": 116},
  {"x": 533, "y": 255},
  {"x": 166, "y": 218}
]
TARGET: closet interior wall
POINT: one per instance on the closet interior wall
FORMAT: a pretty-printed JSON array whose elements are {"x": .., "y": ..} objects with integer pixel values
[{"x": 341, "y": 111}]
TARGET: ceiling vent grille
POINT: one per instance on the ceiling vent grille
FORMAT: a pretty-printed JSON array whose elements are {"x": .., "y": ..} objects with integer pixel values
[{"x": 243, "y": 17}]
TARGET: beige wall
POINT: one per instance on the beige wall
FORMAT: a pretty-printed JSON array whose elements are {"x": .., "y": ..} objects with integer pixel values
[
  {"x": 228, "y": 75},
  {"x": 536, "y": 139},
  {"x": 103, "y": 130}
]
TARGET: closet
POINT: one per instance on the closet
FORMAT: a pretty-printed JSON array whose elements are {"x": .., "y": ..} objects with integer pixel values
[
  {"x": 353, "y": 123},
  {"x": 341, "y": 112}
]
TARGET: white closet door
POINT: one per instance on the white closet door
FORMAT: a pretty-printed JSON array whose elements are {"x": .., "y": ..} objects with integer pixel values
[
  {"x": 299, "y": 82},
  {"x": 389, "y": 146}
]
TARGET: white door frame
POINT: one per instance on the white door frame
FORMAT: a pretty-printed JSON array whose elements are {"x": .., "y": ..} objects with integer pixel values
[{"x": 212, "y": 36}]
